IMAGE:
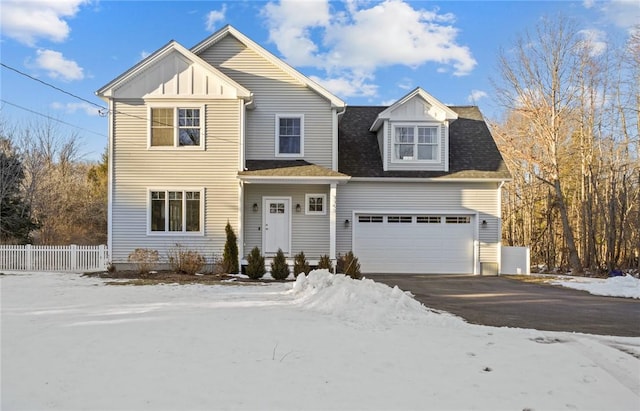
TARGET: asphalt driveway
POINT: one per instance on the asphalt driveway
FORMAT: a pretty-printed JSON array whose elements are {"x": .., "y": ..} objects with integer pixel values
[{"x": 504, "y": 302}]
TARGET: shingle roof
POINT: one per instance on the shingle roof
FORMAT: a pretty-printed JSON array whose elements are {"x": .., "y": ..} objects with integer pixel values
[
  {"x": 287, "y": 168},
  {"x": 472, "y": 151}
]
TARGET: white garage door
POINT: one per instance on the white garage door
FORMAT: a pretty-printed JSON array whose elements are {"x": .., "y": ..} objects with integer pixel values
[{"x": 437, "y": 244}]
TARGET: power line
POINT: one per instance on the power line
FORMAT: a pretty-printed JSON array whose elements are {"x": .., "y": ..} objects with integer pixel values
[
  {"x": 103, "y": 110},
  {"x": 52, "y": 86},
  {"x": 51, "y": 118}
]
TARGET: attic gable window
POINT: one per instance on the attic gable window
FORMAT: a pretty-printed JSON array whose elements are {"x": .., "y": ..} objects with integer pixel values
[
  {"x": 289, "y": 135},
  {"x": 416, "y": 143},
  {"x": 176, "y": 127}
]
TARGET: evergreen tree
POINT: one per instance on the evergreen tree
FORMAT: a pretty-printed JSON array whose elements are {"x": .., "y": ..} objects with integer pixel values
[
  {"x": 279, "y": 266},
  {"x": 255, "y": 264},
  {"x": 300, "y": 264},
  {"x": 230, "y": 255},
  {"x": 16, "y": 223}
]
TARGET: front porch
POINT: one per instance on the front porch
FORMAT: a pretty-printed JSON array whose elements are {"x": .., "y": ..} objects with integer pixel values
[{"x": 289, "y": 205}]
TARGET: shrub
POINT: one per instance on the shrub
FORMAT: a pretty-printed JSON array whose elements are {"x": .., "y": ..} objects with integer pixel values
[
  {"x": 348, "y": 264},
  {"x": 185, "y": 261},
  {"x": 230, "y": 255},
  {"x": 255, "y": 264},
  {"x": 144, "y": 258},
  {"x": 300, "y": 264},
  {"x": 279, "y": 266},
  {"x": 217, "y": 265},
  {"x": 325, "y": 263}
]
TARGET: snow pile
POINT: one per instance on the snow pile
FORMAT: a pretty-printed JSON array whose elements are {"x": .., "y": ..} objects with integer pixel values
[
  {"x": 623, "y": 286},
  {"x": 362, "y": 301}
]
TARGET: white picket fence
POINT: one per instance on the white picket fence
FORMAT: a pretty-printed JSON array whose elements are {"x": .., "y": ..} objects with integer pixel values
[{"x": 75, "y": 258}]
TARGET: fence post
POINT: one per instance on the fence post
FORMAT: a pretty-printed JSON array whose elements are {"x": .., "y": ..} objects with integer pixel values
[
  {"x": 73, "y": 261},
  {"x": 102, "y": 260},
  {"x": 28, "y": 258}
]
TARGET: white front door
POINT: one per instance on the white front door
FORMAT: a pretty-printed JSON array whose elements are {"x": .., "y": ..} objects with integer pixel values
[{"x": 277, "y": 225}]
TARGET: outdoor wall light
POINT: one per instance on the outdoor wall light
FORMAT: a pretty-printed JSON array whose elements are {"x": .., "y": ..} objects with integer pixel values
[
  {"x": 298, "y": 208},
  {"x": 484, "y": 223},
  {"x": 255, "y": 207},
  {"x": 346, "y": 223}
]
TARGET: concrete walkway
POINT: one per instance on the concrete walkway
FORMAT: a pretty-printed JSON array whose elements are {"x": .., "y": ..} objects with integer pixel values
[{"x": 504, "y": 302}]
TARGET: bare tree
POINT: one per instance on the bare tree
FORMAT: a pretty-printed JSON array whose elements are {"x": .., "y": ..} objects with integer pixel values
[{"x": 538, "y": 84}]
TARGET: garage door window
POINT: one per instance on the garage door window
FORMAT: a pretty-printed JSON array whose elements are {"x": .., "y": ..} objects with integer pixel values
[
  {"x": 428, "y": 219},
  {"x": 464, "y": 219},
  {"x": 370, "y": 219},
  {"x": 399, "y": 219}
]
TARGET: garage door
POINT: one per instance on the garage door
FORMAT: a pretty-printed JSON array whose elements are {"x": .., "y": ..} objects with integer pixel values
[{"x": 418, "y": 243}]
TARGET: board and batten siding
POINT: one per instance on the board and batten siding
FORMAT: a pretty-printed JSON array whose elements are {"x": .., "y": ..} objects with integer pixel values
[
  {"x": 136, "y": 169},
  {"x": 309, "y": 233},
  {"x": 274, "y": 92},
  {"x": 421, "y": 197}
]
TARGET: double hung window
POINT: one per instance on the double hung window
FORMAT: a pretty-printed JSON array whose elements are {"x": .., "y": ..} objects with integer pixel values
[
  {"x": 176, "y": 127},
  {"x": 289, "y": 135},
  {"x": 416, "y": 143}
]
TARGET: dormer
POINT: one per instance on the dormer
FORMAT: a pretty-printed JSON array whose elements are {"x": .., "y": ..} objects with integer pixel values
[{"x": 413, "y": 133}]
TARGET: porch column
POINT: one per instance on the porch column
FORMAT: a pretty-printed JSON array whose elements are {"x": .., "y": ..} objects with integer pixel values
[{"x": 332, "y": 222}]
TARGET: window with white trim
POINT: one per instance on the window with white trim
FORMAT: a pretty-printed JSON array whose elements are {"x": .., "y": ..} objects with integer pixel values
[
  {"x": 289, "y": 135},
  {"x": 175, "y": 211},
  {"x": 316, "y": 203},
  {"x": 416, "y": 143},
  {"x": 176, "y": 127}
]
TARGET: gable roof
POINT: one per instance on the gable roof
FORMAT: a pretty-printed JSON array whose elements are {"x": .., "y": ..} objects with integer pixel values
[
  {"x": 157, "y": 56},
  {"x": 446, "y": 112},
  {"x": 473, "y": 153},
  {"x": 229, "y": 30}
]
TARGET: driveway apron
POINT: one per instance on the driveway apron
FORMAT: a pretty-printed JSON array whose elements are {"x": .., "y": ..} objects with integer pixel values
[{"x": 504, "y": 302}]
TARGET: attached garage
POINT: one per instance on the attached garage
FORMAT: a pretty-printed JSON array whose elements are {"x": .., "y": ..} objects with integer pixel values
[{"x": 415, "y": 243}]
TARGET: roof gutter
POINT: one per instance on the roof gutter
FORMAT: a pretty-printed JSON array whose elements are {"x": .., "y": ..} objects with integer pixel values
[{"x": 430, "y": 180}]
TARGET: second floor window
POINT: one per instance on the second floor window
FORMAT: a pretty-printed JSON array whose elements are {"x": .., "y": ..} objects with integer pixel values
[
  {"x": 416, "y": 143},
  {"x": 175, "y": 127},
  {"x": 289, "y": 135}
]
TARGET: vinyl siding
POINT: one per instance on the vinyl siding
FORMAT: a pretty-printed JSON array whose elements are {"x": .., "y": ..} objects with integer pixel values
[
  {"x": 421, "y": 197},
  {"x": 275, "y": 92},
  {"x": 136, "y": 169},
  {"x": 310, "y": 233}
]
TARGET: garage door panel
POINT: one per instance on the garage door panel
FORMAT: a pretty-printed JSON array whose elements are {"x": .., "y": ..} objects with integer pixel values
[{"x": 433, "y": 244}]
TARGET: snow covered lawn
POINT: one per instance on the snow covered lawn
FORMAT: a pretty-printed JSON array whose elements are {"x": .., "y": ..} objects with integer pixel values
[
  {"x": 322, "y": 343},
  {"x": 623, "y": 286}
]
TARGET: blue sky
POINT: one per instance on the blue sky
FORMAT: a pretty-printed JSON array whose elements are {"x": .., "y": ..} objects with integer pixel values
[{"x": 366, "y": 52}]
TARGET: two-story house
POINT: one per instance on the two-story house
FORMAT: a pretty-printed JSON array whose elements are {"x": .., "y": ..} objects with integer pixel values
[{"x": 226, "y": 131}]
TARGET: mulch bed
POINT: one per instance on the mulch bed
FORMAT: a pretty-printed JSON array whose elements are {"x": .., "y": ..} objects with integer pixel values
[{"x": 172, "y": 277}]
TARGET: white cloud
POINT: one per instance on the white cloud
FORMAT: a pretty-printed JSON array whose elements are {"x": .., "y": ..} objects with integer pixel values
[
  {"x": 215, "y": 16},
  {"x": 348, "y": 85},
  {"x": 57, "y": 66},
  {"x": 476, "y": 95},
  {"x": 72, "y": 108},
  {"x": 144, "y": 54},
  {"x": 623, "y": 13},
  {"x": 594, "y": 40},
  {"x": 27, "y": 21},
  {"x": 588, "y": 3},
  {"x": 362, "y": 38}
]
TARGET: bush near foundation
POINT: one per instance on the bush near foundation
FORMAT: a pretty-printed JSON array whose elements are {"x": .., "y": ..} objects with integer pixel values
[
  {"x": 144, "y": 259},
  {"x": 279, "y": 266},
  {"x": 255, "y": 264},
  {"x": 300, "y": 264},
  {"x": 348, "y": 264}
]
